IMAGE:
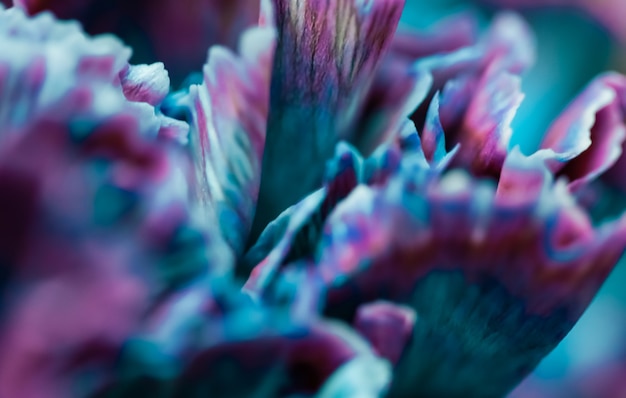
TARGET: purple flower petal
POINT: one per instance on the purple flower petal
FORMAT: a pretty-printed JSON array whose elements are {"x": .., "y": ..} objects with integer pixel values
[
  {"x": 463, "y": 263},
  {"x": 395, "y": 93},
  {"x": 229, "y": 112},
  {"x": 587, "y": 139},
  {"x": 70, "y": 256},
  {"x": 72, "y": 321},
  {"x": 387, "y": 326},
  {"x": 480, "y": 93},
  {"x": 446, "y": 36},
  {"x": 398, "y": 87},
  {"x": 46, "y": 58},
  {"x": 496, "y": 280},
  {"x": 325, "y": 62},
  {"x": 146, "y": 83},
  {"x": 297, "y": 229}
]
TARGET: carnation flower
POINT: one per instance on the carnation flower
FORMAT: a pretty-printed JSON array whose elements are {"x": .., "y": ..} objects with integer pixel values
[{"x": 339, "y": 214}]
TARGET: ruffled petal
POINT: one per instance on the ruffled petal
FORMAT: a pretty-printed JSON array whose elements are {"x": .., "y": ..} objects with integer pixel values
[
  {"x": 501, "y": 312},
  {"x": 295, "y": 234},
  {"x": 398, "y": 87},
  {"x": 480, "y": 93},
  {"x": 61, "y": 332},
  {"x": 325, "y": 62},
  {"x": 496, "y": 280},
  {"x": 146, "y": 83},
  {"x": 44, "y": 59},
  {"x": 588, "y": 138},
  {"x": 229, "y": 111},
  {"x": 94, "y": 217}
]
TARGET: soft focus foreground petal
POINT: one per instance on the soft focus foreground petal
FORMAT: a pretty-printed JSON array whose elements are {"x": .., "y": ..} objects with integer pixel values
[
  {"x": 588, "y": 138},
  {"x": 175, "y": 32},
  {"x": 58, "y": 259},
  {"x": 229, "y": 117},
  {"x": 387, "y": 326},
  {"x": 62, "y": 333},
  {"x": 95, "y": 227},
  {"x": 36, "y": 49},
  {"x": 95, "y": 219},
  {"x": 479, "y": 95},
  {"x": 71, "y": 296},
  {"x": 94, "y": 205},
  {"x": 225, "y": 344},
  {"x": 325, "y": 61}
]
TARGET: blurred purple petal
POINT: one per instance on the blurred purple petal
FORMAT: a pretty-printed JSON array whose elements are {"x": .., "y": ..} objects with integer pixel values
[
  {"x": 446, "y": 36},
  {"x": 277, "y": 355},
  {"x": 175, "y": 32},
  {"x": 70, "y": 323},
  {"x": 609, "y": 13},
  {"x": 97, "y": 223},
  {"x": 387, "y": 326}
]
